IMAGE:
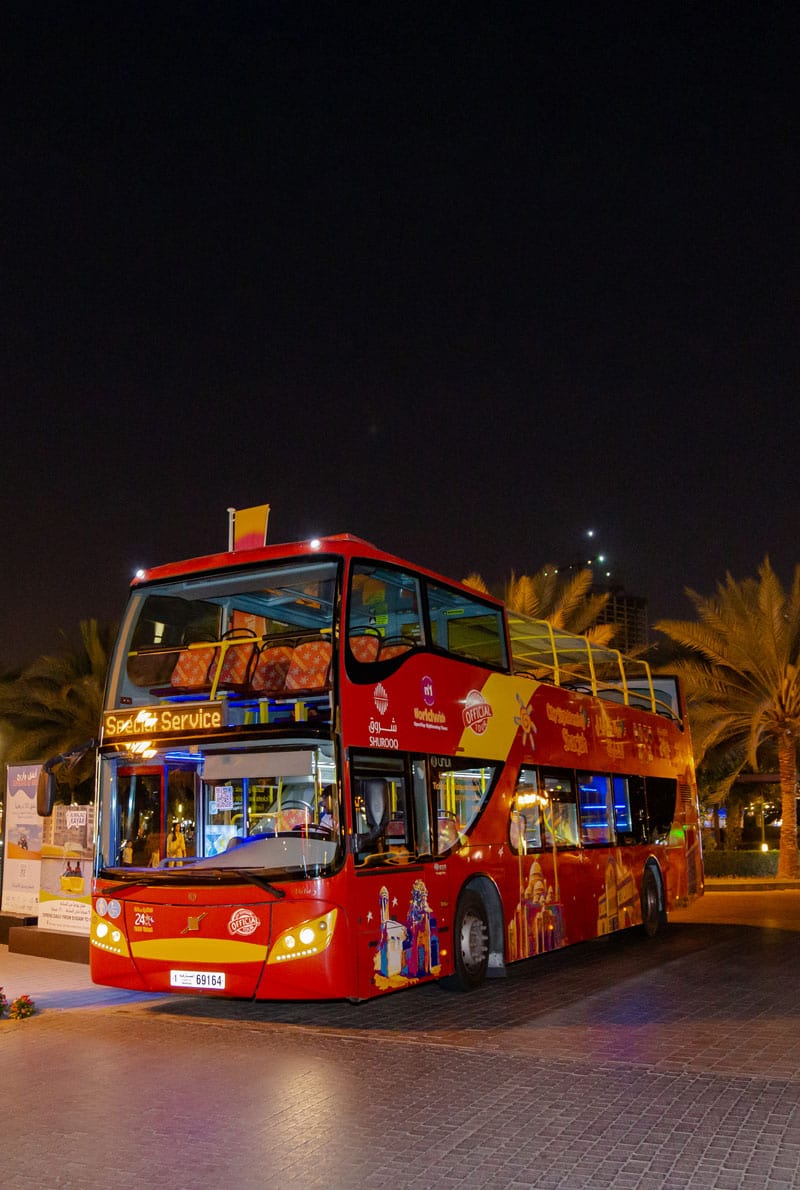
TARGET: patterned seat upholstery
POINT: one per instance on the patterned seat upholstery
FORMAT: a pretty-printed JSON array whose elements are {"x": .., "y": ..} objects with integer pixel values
[
  {"x": 310, "y": 668},
  {"x": 193, "y": 668},
  {"x": 236, "y": 664},
  {"x": 393, "y": 648},
  {"x": 270, "y": 669},
  {"x": 365, "y": 647},
  {"x": 294, "y": 819}
]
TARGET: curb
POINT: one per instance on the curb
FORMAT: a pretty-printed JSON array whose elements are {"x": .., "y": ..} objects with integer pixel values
[{"x": 743, "y": 884}]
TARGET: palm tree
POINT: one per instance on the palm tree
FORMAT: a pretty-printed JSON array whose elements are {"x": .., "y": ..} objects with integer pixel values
[
  {"x": 742, "y": 682},
  {"x": 54, "y": 705},
  {"x": 565, "y": 600}
]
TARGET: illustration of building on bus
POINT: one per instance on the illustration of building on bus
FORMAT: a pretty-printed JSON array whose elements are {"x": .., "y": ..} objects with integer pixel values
[{"x": 407, "y": 952}]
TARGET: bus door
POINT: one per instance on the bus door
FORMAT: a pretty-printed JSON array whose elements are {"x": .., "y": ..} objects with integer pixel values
[
  {"x": 151, "y": 799},
  {"x": 140, "y": 798},
  {"x": 397, "y": 887},
  {"x": 544, "y": 834},
  {"x": 406, "y": 882},
  {"x": 611, "y": 885}
]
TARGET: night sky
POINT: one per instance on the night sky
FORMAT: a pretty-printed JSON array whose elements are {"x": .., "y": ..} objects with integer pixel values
[{"x": 465, "y": 281}]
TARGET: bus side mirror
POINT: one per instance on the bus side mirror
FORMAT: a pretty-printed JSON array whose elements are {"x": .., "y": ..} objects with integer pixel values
[
  {"x": 46, "y": 785},
  {"x": 45, "y": 792}
]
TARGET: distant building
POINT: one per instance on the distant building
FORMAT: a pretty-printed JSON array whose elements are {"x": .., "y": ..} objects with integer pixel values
[{"x": 628, "y": 614}]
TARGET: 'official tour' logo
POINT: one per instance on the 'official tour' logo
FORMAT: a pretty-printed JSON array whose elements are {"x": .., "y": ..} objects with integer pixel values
[
  {"x": 477, "y": 712},
  {"x": 244, "y": 922}
]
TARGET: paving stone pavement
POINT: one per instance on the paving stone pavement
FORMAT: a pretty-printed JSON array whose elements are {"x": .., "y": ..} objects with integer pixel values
[{"x": 618, "y": 1064}]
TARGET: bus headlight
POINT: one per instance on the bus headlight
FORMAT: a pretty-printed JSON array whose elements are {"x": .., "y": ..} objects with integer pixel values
[
  {"x": 304, "y": 940},
  {"x": 105, "y": 935}
]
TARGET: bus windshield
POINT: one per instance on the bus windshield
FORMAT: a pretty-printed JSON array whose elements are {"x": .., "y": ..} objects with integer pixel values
[
  {"x": 204, "y": 636},
  {"x": 274, "y": 809}
]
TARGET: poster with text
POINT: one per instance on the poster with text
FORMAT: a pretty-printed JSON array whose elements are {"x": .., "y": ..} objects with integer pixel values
[
  {"x": 23, "y": 848},
  {"x": 65, "y": 891}
]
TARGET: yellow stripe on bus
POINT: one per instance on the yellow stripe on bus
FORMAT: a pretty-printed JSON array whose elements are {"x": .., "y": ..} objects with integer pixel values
[
  {"x": 499, "y": 727},
  {"x": 199, "y": 950}
]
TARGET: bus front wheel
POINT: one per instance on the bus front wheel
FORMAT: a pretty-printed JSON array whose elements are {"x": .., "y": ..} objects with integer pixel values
[
  {"x": 653, "y": 916},
  {"x": 471, "y": 943}
]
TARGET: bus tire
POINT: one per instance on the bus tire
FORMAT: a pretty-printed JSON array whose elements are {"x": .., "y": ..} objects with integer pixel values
[
  {"x": 470, "y": 943},
  {"x": 653, "y": 916}
]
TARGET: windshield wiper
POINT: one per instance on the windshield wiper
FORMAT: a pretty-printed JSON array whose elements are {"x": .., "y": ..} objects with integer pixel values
[
  {"x": 262, "y": 882},
  {"x": 190, "y": 875}
]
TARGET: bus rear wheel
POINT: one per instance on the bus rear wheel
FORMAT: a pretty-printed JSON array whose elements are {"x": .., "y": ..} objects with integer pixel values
[
  {"x": 653, "y": 916},
  {"x": 471, "y": 943}
]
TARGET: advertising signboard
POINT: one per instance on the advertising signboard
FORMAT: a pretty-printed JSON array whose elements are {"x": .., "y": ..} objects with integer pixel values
[
  {"x": 23, "y": 841},
  {"x": 65, "y": 893}
]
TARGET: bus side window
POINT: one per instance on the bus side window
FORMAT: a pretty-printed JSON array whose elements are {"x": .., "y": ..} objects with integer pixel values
[
  {"x": 662, "y": 795},
  {"x": 561, "y": 813},
  {"x": 638, "y": 808},
  {"x": 527, "y": 802},
  {"x": 443, "y": 808},
  {"x": 386, "y": 839},
  {"x": 384, "y": 616},
  {"x": 422, "y": 817},
  {"x": 460, "y": 788},
  {"x": 594, "y": 795},
  {"x": 623, "y": 815}
]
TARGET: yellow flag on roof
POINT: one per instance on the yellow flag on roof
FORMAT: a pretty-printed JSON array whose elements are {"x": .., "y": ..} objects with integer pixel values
[{"x": 249, "y": 527}]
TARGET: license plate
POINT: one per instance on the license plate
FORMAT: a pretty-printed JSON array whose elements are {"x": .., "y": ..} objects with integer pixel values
[{"x": 213, "y": 980}]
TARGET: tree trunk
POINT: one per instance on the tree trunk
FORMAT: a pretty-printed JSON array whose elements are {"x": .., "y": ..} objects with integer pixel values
[
  {"x": 787, "y": 767},
  {"x": 733, "y": 823}
]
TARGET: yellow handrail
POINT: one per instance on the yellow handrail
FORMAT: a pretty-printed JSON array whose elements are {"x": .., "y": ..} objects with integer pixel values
[{"x": 569, "y": 660}]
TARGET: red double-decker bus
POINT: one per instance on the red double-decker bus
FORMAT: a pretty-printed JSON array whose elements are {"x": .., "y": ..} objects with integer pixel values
[{"x": 325, "y": 772}]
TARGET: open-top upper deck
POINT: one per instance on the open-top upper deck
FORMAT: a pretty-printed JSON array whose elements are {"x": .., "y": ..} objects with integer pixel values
[
  {"x": 243, "y": 623},
  {"x": 565, "y": 659}
]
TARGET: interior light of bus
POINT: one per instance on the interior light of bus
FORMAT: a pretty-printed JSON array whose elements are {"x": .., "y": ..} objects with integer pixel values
[
  {"x": 304, "y": 940},
  {"x": 526, "y": 799},
  {"x": 531, "y": 798},
  {"x": 143, "y": 748}
]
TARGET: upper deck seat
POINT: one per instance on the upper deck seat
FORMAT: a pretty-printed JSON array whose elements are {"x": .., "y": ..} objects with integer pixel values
[
  {"x": 270, "y": 669},
  {"x": 393, "y": 647},
  {"x": 310, "y": 667},
  {"x": 293, "y": 818},
  {"x": 365, "y": 646},
  {"x": 194, "y": 668},
  {"x": 238, "y": 659}
]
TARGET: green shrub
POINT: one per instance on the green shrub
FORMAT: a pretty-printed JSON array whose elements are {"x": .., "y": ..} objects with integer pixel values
[{"x": 741, "y": 863}]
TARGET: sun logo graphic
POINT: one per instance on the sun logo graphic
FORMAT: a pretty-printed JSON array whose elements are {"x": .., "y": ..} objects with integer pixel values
[
  {"x": 381, "y": 698},
  {"x": 525, "y": 720}
]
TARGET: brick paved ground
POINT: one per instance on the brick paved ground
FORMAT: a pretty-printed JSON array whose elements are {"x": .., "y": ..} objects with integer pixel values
[{"x": 620, "y": 1064}]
